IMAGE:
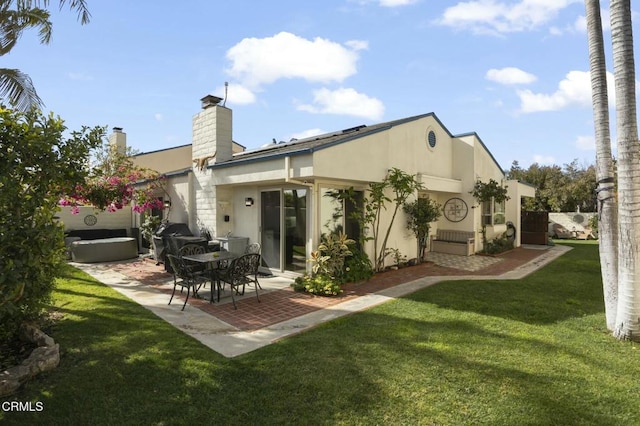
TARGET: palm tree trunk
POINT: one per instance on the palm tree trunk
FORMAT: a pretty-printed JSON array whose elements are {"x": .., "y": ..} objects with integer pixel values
[
  {"x": 627, "y": 324},
  {"x": 607, "y": 209}
]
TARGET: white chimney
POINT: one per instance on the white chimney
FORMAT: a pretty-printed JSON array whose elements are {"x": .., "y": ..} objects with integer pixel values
[
  {"x": 118, "y": 139},
  {"x": 212, "y": 132},
  {"x": 211, "y": 143}
]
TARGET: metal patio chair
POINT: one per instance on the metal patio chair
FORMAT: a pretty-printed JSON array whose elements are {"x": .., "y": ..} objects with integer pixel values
[
  {"x": 242, "y": 272},
  {"x": 254, "y": 248},
  {"x": 185, "y": 278}
]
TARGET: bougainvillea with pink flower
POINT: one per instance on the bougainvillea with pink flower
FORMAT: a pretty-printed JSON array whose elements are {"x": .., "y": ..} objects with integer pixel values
[{"x": 114, "y": 183}]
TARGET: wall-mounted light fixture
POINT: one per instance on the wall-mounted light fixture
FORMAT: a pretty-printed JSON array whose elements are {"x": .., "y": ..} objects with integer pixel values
[
  {"x": 167, "y": 204},
  {"x": 248, "y": 201}
]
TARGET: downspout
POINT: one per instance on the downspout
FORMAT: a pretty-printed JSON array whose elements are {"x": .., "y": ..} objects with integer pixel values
[
  {"x": 287, "y": 169},
  {"x": 191, "y": 203},
  {"x": 315, "y": 222}
]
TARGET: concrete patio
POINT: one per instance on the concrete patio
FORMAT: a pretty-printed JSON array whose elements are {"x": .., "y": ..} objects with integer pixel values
[{"x": 283, "y": 312}]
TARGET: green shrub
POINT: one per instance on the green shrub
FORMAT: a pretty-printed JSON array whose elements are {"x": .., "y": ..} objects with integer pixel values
[
  {"x": 357, "y": 267},
  {"x": 37, "y": 165},
  {"x": 420, "y": 214},
  {"x": 399, "y": 259},
  {"x": 330, "y": 257},
  {"x": 149, "y": 227},
  {"x": 498, "y": 245},
  {"x": 319, "y": 284}
]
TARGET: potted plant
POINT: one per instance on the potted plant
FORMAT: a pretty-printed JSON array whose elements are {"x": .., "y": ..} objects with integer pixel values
[
  {"x": 487, "y": 192},
  {"x": 420, "y": 214},
  {"x": 148, "y": 228}
]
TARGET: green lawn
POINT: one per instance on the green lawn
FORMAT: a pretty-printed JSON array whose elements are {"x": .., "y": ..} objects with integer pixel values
[{"x": 527, "y": 352}]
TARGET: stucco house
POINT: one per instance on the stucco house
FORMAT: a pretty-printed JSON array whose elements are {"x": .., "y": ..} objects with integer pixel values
[{"x": 276, "y": 195}]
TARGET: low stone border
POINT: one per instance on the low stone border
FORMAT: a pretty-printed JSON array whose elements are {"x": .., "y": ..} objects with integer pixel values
[{"x": 45, "y": 357}]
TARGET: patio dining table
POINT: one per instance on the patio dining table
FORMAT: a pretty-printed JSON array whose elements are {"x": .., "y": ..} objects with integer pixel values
[{"x": 212, "y": 260}]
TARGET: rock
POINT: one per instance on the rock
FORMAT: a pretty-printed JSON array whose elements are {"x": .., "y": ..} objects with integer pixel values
[
  {"x": 8, "y": 385},
  {"x": 45, "y": 357},
  {"x": 30, "y": 333}
]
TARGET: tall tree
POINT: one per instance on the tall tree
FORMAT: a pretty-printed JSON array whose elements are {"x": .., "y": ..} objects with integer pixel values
[
  {"x": 16, "y": 16},
  {"x": 627, "y": 324},
  {"x": 559, "y": 189},
  {"x": 607, "y": 210}
]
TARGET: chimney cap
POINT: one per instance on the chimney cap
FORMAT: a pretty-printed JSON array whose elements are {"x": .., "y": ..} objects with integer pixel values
[
  {"x": 210, "y": 100},
  {"x": 117, "y": 129}
]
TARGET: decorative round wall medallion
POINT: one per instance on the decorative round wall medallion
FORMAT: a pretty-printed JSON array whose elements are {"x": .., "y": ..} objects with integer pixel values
[
  {"x": 90, "y": 220},
  {"x": 455, "y": 209}
]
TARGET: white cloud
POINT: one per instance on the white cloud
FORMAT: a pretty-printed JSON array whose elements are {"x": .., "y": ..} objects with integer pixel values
[
  {"x": 580, "y": 24},
  {"x": 259, "y": 61},
  {"x": 544, "y": 159},
  {"x": 555, "y": 31},
  {"x": 307, "y": 133},
  {"x": 79, "y": 76},
  {"x": 236, "y": 94},
  {"x": 344, "y": 101},
  {"x": 586, "y": 143},
  {"x": 396, "y": 3},
  {"x": 358, "y": 44},
  {"x": 158, "y": 116},
  {"x": 385, "y": 3},
  {"x": 500, "y": 17},
  {"x": 510, "y": 75},
  {"x": 575, "y": 89}
]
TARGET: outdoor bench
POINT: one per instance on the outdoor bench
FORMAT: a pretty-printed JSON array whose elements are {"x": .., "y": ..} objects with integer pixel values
[{"x": 450, "y": 241}]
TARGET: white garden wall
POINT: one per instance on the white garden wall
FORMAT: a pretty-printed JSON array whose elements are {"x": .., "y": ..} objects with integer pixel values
[{"x": 103, "y": 220}]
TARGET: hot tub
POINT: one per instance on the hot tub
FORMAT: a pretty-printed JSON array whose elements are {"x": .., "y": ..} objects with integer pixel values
[{"x": 104, "y": 250}]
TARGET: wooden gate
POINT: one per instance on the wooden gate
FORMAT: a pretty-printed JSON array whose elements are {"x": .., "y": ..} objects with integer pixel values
[{"x": 535, "y": 228}]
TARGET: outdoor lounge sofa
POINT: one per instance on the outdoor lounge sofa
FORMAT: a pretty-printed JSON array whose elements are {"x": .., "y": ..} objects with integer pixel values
[
  {"x": 95, "y": 234},
  {"x": 450, "y": 241},
  {"x": 559, "y": 231},
  {"x": 104, "y": 249}
]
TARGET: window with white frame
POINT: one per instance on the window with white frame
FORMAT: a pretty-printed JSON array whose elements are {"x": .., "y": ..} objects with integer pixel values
[
  {"x": 337, "y": 212},
  {"x": 493, "y": 213}
]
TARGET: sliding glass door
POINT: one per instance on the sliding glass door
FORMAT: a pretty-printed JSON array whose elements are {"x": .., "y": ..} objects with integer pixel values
[
  {"x": 284, "y": 229},
  {"x": 270, "y": 213},
  {"x": 295, "y": 207}
]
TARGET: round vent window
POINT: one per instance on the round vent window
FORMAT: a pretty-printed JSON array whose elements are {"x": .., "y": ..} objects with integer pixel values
[{"x": 431, "y": 139}]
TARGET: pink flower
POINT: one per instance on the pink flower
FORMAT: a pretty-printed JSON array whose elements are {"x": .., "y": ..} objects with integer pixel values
[{"x": 75, "y": 210}]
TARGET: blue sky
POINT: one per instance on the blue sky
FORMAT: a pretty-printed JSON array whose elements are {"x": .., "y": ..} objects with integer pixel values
[{"x": 515, "y": 72}]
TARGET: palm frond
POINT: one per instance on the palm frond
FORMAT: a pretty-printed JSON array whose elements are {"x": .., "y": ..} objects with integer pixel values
[
  {"x": 80, "y": 6},
  {"x": 14, "y": 22},
  {"x": 18, "y": 89}
]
